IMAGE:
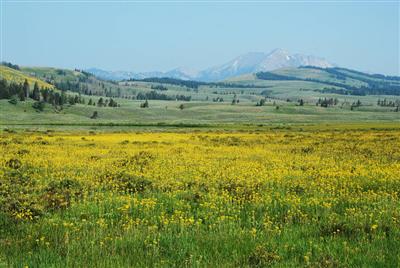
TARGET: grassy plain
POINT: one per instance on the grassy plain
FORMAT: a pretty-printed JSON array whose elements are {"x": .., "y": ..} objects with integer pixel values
[
  {"x": 311, "y": 197},
  {"x": 200, "y": 113}
]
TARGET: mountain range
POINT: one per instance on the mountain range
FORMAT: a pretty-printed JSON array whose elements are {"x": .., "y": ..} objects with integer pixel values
[{"x": 251, "y": 62}]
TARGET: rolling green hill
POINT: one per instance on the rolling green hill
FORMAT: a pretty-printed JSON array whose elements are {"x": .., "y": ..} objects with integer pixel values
[
  {"x": 188, "y": 102},
  {"x": 338, "y": 80}
]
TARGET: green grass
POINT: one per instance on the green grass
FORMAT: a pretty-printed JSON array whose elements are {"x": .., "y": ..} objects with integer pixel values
[{"x": 168, "y": 112}]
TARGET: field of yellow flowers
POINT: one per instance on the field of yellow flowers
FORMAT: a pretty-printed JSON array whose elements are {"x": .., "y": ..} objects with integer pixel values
[{"x": 284, "y": 198}]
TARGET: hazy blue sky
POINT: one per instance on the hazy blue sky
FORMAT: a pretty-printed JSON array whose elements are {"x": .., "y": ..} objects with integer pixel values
[{"x": 161, "y": 36}]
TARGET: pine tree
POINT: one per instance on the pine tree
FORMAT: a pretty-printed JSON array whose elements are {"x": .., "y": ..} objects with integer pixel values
[
  {"x": 25, "y": 89},
  {"x": 36, "y": 92},
  {"x": 45, "y": 94},
  {"x": 100, "y": 102},
  {"x": 4, "y": 90},
  {"x": 145, "y": 104},
  {"x": 21, "y": 93}
]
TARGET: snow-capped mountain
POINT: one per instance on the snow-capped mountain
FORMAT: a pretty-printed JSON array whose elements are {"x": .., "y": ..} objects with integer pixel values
[
  {"x": 241, "y": 65},
  {"x": 257, "y": 62},
  {"x": 248, "y": 63}
]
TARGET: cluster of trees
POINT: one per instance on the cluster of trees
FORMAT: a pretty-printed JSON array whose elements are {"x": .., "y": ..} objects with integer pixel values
[
  {"x": 218, "y": 99},
  {"x": 233, "y": 92},
  {"x": 104, "y": 102},
  {"x": 334, "y": 90},
  {"x": 64, "y": 86},
  {"x": 159, "y": 87},
  {"x": 231, "y": 85},
  {"x": 355, "y": 104},
  {"x": 154, "y": 95},
  {"x": 10, "y": 65},
  {"x": 235, "y": 100},
  {"x": 74, "y": 99},
  {"x": 327, "y": 102},
  {"x": 22, "y": 91},
  {"x": 14, "y": 89},
  {"x": 373, "y": 88},
  {"x": 388, "y": 103},
  {"x": 273, "y": 76},
  {"x": 261, "y": 102}
]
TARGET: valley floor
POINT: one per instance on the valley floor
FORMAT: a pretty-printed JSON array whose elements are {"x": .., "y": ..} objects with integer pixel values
[{"x": 200, "y": 114}]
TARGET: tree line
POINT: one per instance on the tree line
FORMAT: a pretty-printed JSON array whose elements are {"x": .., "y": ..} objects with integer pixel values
[
  {"x": 388, "y": 103},
  {"x": 22, "y": 91},
  {"x": 192, "y": 84},
  {"x": 10, "y": 65},
  {"x": 154, "y": 95}
]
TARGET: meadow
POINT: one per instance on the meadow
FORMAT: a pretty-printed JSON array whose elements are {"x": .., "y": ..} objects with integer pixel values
[
  {"x": 160, "y": 112},
  {"x": 301, "y": 197}
]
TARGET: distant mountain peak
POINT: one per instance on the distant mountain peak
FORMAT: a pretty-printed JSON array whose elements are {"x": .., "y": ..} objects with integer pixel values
[
  {"x": 250, "y": 62},
  {"x": 258, "y": 61}
]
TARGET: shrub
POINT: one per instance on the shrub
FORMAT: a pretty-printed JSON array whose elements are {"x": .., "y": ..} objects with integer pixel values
[
  {"x": 60, "y": 194},
  {"x": 94, "y": 115},
  {"x": 13, "y": 101},
  {"x": 38, "y": 106},
  {"x": 14, "y": 163},
  {"x": 127, "y": 183}
]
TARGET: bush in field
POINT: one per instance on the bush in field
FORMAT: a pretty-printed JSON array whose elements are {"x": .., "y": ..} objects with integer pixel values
[
  {"x": 144, "y": 104},
  {"x": 60, "y": 194},
  {"x": 126, "y": 183},
  {"x": 94, "y": 115},
  {"x": 13, "y": 101},
  {"x": 14, "y": 163},
  {"x": 38, "y": 106}
]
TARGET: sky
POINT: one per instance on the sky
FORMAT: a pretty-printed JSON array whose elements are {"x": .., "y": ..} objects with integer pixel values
[{"x": 140, "y": 36}]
